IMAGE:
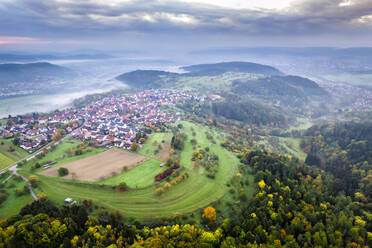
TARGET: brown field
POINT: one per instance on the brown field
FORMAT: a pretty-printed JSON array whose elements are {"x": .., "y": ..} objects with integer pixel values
[
  {"x": 164, "y": 153},
  {"x": 99, "y": 166}
]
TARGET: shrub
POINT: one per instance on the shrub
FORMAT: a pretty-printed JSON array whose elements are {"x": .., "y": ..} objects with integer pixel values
[
  {"x": 123, "y": 186},
  {"x": 63, "y": 172},
  {"x": 164, "y": 174},
  {"x": 159, "y": 191},
  {"x": 167, "y": 186},
  {"x": 34, "y": 180}
]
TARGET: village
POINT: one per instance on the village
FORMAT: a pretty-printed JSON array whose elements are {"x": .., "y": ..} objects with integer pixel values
[{"x": 111, "y": 121}]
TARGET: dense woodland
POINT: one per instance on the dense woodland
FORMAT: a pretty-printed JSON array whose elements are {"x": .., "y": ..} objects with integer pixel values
[
  {"x": 345, "y": 150},
  {"x": 236, "y": 108}
]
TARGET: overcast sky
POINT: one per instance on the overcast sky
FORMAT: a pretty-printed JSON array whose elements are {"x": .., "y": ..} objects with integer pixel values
[{"x": 182, "y": 24}]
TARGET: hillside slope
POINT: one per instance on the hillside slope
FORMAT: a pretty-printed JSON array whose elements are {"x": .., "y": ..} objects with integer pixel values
[{"x": 33, "y": 72}]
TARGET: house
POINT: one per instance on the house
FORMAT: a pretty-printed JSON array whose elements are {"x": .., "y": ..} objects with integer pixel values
[{"x": 68, "y": 200}]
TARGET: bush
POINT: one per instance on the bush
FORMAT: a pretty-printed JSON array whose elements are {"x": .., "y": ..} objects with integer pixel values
[
  {"x": 63, "y": 172},
  {"x": 123, "y": 186},
  {"x": 159, "y": 191},
  {"x": 34, "y": 180}
]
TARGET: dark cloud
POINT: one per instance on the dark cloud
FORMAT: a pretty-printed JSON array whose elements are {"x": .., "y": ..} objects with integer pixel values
[{"x": 84, "y": 20}]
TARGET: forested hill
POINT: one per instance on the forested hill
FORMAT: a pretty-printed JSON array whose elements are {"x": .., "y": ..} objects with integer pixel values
[
  {"x": 156, "y": 78},
  {"x": 278, "y": 86},
  {"x": 144, "y": 78},
  {"x": 33, "y": 72},
  {"x": 220, "y": 68},
  {"x": 345, "y": 150},
  {"x": 293, "y": 91}
]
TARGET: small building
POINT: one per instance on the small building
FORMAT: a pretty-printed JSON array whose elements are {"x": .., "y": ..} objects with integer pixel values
[{"x": 68, "y": 200}]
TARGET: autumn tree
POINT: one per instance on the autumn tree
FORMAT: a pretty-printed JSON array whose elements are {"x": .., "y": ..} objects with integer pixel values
[
  {"x": 34, "y": 180},
  {"x": 134, "y": 147},
  {"x": 209, "y": 214}
]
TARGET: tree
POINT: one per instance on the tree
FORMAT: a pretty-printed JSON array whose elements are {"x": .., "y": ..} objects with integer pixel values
[
  {"x": 123, "y": 186},
  {"x": 134, "y": 147},
  {"x": 63, "y": 172},
  {"x": 169, "y": 162},
  {"x": 34, "y": 180},
  {"x": 262, "y": 184},
  {"x": 210, "y": 214},
  {"x": 167, "y": 185},
  {"x": 56, "y": 137},
  {"x": 159, "y": 191}
]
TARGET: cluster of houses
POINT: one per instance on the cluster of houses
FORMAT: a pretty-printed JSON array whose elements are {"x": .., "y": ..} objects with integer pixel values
[
  {"x": 110, "y": 121},
  {"x": 118, "y": 120},
  {"x": 32, "y": 132}
]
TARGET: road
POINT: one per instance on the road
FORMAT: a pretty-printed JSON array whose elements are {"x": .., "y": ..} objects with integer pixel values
[
  {"x": 35, "y": 153},
  {"x": 14, "y": 169}
]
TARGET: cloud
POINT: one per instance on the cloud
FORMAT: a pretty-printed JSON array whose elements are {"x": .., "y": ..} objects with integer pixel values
[
  {"x": 6, "y": 40},
  {"x": 74, "y": 20}
]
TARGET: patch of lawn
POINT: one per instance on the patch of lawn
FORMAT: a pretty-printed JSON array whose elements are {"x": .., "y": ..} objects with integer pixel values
[
  {"x": 139, "y": 177},
  {"x": 5, "y": 161},
  {"x": 17, "y": 154},
  {"x": 13, "y": 203},
  {"x": 152, "y": 144}
]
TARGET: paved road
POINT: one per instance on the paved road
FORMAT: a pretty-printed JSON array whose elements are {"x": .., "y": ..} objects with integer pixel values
[{"x": 14, "y": 169}]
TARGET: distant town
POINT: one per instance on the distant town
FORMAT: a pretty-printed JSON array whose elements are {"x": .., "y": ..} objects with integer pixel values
[{"x": 111, "y": 121}]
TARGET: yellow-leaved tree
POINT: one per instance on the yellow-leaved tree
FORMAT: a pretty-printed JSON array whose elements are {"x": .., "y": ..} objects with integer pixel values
[
  {"x": 210, "y": 214},
  {"x": 261, "y": 184}
]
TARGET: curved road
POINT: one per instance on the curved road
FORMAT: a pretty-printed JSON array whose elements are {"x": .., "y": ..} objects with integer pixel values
[{"x": 14, "y": 169}]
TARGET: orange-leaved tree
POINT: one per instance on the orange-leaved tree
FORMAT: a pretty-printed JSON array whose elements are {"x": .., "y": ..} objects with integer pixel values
[{"x": 210, "y": 214}]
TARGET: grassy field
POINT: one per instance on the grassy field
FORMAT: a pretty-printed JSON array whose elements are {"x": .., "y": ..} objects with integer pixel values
[
  {"x": 5, "y": 161},
  {"x": 293, "y": 145},
  {"x": 139, "y": 177},
  {"x": 303, "y": 124},
  {"x": 152, "y": 144},
  {"x": 13, "y": 203},
  {"x": 18, "y": 153},
  {"x": 142, "y": 203},
  {"x": 206, "y": 83},
  {"x": 6, "y": 156}
]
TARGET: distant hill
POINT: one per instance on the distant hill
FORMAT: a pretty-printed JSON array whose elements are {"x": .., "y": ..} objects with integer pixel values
[
  {"x": 278, "y": 86},
  {"x": 144, "y": 78},
  {"x": 288, "y": 90},
  {"x": 32, "y": 73},
  {"x": 220, "y": 68},
  {"x": 12, "y": 57},
  {"x": 155, "y": 78}
]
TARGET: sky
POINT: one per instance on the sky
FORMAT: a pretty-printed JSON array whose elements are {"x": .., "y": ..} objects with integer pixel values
[{"x": 63, "y": 25}]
